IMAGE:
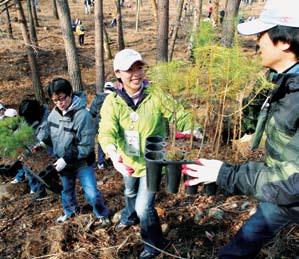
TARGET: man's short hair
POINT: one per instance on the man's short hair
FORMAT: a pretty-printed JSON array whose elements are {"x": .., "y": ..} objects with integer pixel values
[
  {"x": 31, "y": 110},
  {"x": 59, "y": 85},
  {"x": 286, "y": 34}
]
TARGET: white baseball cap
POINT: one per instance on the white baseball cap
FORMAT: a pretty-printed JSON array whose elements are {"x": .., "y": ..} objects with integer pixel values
[
  {"x": 124, "y": 59},
  {"x": 10, "y": 113},
  {"x": 276, "y": 12}
]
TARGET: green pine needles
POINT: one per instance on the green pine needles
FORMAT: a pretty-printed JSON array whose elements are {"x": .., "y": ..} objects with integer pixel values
[
  {"x": 15, "y": 135},
  {"x": 212, "y": 87}
]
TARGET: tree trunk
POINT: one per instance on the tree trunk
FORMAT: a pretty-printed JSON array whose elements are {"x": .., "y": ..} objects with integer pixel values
[
  {"x": 99, "y": 45},
  {"x": 229, "y": 24},
  {"x": 8, "y": 21},
  {"x": 120, "y": 34},
  {"x": 216, "y": 12},
  {"x": 37, "y": 85},
  {"x": 137, "y": 15},
  {"x": 32, "y": 31},
  {"x": 195, "y": 27},
  {"x": 176, "y": 28},
  {"x": 55, "y": 13},
  {"x": 107, "y": 44},
  {"x": 162, "y": 31},
  {"x": 34, "y": 13},
  {"x": 225, "y": 5},
  {"x": 197, "y": 15},
  {"x": 155, "y": 9},
  {"x": 69, "y": 43}
]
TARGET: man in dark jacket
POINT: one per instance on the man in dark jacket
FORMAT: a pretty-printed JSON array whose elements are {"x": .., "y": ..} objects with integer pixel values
[
  {"x": 72, "y": 134},
  {"x": 94, "y": 110},
  {"x": 275, "y": 181}
]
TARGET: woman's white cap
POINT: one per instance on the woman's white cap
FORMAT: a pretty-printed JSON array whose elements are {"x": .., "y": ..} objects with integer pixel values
[
  {"x": 124, "y": 59},
  {"x": 276, "y": 12}
]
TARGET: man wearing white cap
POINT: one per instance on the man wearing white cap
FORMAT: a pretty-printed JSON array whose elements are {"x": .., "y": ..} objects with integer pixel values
[
  {"x": 128, "y": 117},
  {"x": 274, "y": 181}
]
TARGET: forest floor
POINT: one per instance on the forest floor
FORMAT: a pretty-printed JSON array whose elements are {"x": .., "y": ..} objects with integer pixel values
[{"x": 197, "y": 226}]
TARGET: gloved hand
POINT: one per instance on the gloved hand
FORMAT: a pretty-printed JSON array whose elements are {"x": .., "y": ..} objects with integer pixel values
[
  {"x": 39, "y": 146},
  {"x": 60, "y": 164},
  {"x": 205, "y": 171},
  {"x": 187, "y": 134},
  {"x": 118, "y": 162}
]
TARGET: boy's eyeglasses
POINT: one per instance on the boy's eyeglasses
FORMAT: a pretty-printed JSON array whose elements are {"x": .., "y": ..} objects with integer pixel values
[{"x": 59, "y": 99}]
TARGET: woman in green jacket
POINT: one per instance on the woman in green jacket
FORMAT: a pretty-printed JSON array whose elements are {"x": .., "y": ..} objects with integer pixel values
[{"x": 129, "y": 116}]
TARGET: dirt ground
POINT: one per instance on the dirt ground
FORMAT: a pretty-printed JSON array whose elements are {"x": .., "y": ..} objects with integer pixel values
[{"x": 197, "y": 226}]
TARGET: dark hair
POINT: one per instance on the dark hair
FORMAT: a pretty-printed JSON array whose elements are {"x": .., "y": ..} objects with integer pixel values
[
  {"x": 286, "y": 34},
  {"x": 31, "y": 110},
  {"x": 59, "y": 85}
]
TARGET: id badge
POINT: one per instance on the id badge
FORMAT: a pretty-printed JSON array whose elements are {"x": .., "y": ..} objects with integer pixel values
[{"x": 132, "y": 143}]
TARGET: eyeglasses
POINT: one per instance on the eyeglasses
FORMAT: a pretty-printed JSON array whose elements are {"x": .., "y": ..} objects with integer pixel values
[{"x": 59, "y": 99}]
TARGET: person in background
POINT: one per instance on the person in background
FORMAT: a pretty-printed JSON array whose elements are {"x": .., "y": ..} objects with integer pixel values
[
  {"x": 74, "y": 24},
  {"x": 94, "y": 110},
  {"x": 210, "y": 10},
  {"x": 87, "y": 6},
  {"x": 80, "y": 30},
  {"x": 36, "y": 116},
  {"x": 222, "y": 14},
  {"x": 128, "y": 117},
  {"x": 72, "y": 134},
  {"x": 274, "y": 181}
]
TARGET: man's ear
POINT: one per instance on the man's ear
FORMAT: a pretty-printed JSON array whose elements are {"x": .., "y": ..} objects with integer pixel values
[{"x": 284, "y": 46}]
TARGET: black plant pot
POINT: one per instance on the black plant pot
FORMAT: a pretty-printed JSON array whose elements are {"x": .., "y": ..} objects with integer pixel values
[
  {"x": 154, "y": 147},
  {"x": 173, "y": 177},
  {"x": 154, "y": 140},
  {"x": 210, "y": 189},
  {"x": 190, "y": 189},
  {"x": 51, "y": 179},
  {"x": 154, "y": 165}
]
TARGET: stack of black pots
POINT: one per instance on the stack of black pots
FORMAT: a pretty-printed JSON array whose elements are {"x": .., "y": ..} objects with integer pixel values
[{"x": 155, "y": 161}]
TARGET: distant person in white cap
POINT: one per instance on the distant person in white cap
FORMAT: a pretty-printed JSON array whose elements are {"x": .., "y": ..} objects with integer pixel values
[
  {"x": 274, "y": 181},
  {"x": 10, "y": 113},
  {"x": 128, "y": 117}
]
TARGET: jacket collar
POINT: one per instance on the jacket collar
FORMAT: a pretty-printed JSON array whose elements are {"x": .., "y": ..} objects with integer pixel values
[
  {"x": 287, "y": 82},
  {"x": 120, "y": 91}
]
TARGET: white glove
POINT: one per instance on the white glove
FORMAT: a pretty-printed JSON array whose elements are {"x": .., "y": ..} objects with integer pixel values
[
  {"x": 118, "y": 161},
  {"x": 206, "y": 171},
  {"x": 60, "y": 164}
]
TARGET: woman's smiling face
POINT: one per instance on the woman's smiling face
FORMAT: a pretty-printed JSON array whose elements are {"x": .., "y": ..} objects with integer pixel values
[{"x": 132, "y": 78}]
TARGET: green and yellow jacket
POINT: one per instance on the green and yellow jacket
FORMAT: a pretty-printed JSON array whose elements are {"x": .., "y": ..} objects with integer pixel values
[
  {"x": 276, "y": 179},
  {"x": 153, "y": 111}
]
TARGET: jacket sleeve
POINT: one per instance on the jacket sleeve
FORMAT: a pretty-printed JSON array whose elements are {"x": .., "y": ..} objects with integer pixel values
[
  {"x": 84, "y": 136},
  {"x": 277, "y": 184},
  {"x": 108, "y": 126}
]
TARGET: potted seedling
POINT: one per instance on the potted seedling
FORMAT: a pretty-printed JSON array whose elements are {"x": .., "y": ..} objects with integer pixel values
[{"x": 16, "y": 141}]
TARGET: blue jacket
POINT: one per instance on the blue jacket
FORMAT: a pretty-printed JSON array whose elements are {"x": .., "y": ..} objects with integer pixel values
[{"x": 72, "y": 135}]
